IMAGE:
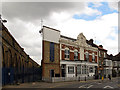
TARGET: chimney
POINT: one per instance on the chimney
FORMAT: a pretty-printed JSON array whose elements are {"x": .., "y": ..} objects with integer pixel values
[
  {"x": 90, "y": 41},
  {"x": 101, "y": 46}
]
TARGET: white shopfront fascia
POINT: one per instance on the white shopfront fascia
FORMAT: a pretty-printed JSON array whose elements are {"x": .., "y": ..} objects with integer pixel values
[{"x": 74, "y": 64}]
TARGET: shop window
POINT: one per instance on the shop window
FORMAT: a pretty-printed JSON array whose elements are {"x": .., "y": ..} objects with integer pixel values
[
  {"x": 91, "y": 70},
  {"x": 70, "y": 70},
  {"x": 79, "y": 69}
]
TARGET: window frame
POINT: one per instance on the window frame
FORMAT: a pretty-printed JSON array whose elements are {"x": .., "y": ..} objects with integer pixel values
[
  {"x": 91, "y": 69},
  {"x": 79, "y": 71},
  {"x": 93, "y": 57},
  {"x": 67, "y": 53},
  {"x": 70, "y": 69},
  {"x": 76, "y": 54},
  {"x": 87, "y": 56},
  {"x": 52, "y": 52}
]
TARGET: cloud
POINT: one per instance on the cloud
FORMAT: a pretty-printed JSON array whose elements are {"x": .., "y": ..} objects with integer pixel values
[
  {"x": 35, "y": 10},
  {"x": 100, "y": 28},
  {"x": 27, "y": 35},
  {"x": 24, "y": 24}
]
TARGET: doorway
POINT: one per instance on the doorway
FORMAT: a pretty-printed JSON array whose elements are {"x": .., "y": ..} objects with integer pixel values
[{"x": 51, "y": 73}]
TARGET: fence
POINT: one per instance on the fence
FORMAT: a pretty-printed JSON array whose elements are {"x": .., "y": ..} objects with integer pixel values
[
  {"x": 59, "y": 79},
  {"x": 10, "y": 77}
]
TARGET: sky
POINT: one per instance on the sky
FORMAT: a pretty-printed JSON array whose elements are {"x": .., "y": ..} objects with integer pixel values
[{"x": 96, "y": 20}]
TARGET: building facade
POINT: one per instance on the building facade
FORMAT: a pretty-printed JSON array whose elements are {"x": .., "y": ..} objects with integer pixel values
[
  {"x": 67, "y": 57},
  {"x": 101, "y": 57},
  {"x": 108, "y": 66},
  {"x": 116, "y": 64},
  {"x": 17, "y": 66}
]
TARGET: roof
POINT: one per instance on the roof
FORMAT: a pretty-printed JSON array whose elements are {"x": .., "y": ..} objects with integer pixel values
[
  {"x": 117, "y": 57},
  {"x": 101, "y": 48},
  {"x": 51, "y": 28},
  {"x": 114, "y": 58},
  {"x": 68, "y": 38},
  {"x": 90, "y": 42}
]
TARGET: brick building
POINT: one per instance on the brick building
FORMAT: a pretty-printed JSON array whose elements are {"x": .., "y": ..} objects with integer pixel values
[
  {"x": 68, "y": 57},
  {"x": 17, "y": 66},
  {"x": 116, "y": 64},
  {"x": 102, "y": 56}
]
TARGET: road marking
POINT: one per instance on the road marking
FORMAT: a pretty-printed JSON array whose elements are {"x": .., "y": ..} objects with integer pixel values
[
  {"x": 99, "y": 83},
  {"x": 108, "y": 87},
  {"x": 90, "y": 86},
  {"x": 83, "y": 86}
]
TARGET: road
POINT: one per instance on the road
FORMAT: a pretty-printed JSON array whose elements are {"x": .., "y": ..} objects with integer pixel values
[{"x": 106, "y": 84}]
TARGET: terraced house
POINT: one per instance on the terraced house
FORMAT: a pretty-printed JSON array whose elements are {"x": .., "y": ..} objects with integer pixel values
[{"x": 67, "y": 57}]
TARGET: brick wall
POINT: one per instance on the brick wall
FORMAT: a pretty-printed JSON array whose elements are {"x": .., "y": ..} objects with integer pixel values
[
  {"x": 14, "y": 58},
  {"x": 47, "y": 65}
]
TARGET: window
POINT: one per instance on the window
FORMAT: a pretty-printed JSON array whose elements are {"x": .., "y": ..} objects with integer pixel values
[
  {"x": 83, "y": 69},
  {"x": 87, "y": 56},
  {"x": 105, "y": 63},
  {"x": 67, "y": 52},
  {"x": 75, "y": 55},
  {"x": 70, "y": 70},
  {"x": 79, "y": 69},
  {"x": 99, "y": 54},
  {"x": 99, "y": 62},
  {"x": 93, "y": 57},
  {"x": 104, "y": 54},
  {"x": 52, "y": 52},
  {"x": 86, "y": 69},
  {"x": 91, "y": 69}
]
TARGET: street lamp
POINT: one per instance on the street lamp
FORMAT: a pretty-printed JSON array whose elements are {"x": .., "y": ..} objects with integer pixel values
[{"x": 2, "y": 21}]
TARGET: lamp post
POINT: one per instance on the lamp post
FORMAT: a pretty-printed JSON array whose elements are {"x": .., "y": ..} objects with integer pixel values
[{"x": 1, "y": 20}]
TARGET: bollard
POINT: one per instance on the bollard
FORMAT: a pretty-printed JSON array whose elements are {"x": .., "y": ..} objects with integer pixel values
[{"x": 102, "y": 78}]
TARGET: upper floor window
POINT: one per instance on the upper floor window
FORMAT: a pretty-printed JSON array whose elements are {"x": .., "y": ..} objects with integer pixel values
[
  {"x": 75, "y": 55},
  {"x": 93, "y": 57},
  {"x": 104, "y": 55},
  {"x": 99, "y": 63},
  {"x": 99, "y": 54},
  {"x": 87, "y": 56},
  {"x": 67, "y": 53},
  {"x": 52, "y": 52},
  {"x": 104, "y": 63}
]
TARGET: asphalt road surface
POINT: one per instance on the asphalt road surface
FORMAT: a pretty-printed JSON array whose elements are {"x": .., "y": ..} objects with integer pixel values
[{"x": 106, "y": 84}]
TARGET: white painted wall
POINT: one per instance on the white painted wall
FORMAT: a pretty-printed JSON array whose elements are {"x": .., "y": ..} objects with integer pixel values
[
  {"x": 108, "y": 62},
  {"x": 72, "y": 63},
  {"x": 51, "y": 35},
  {"x": 91, "y": 74}
]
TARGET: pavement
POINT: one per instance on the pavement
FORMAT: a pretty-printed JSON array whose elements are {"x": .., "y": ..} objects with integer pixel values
[{"x": 114, "y": 83}]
